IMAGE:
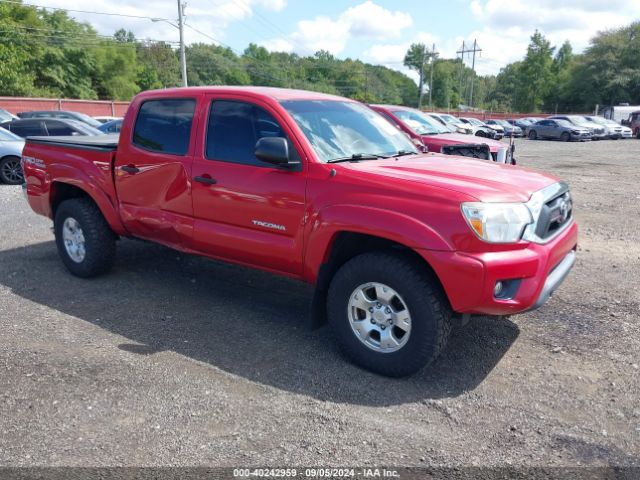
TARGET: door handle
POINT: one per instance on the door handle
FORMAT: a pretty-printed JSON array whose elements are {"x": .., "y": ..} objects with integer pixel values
[
  {"x": 129, "y": 169},
  {"x": 206, "y": 180}
]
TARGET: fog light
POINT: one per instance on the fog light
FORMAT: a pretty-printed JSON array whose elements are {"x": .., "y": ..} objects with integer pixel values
[{"x": 497, "y": 290}]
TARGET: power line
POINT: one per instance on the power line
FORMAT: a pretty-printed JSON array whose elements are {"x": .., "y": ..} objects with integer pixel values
[{"x": 15, "y": 2}]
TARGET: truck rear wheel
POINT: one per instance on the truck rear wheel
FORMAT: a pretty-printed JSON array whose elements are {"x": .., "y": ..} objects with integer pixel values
[
  {"x": 86, "y": 244},
  {"x": 387, "y": 314}
]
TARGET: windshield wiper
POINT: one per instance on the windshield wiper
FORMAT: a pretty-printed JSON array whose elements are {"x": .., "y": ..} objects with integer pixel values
[
  {"x": 356, "y": 157},
  {"x": 402, "y": 153}
]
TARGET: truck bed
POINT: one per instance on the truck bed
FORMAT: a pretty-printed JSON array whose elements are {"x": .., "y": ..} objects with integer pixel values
[{"x": 99, "y": 142}]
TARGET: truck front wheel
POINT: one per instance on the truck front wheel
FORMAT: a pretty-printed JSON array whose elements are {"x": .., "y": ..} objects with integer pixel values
[
  {"x": 388, "y": 315},
  {"x": 86, "y": 244}
]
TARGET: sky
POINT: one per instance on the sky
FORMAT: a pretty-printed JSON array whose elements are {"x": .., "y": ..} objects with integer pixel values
[{"x": 375, "y": 31}]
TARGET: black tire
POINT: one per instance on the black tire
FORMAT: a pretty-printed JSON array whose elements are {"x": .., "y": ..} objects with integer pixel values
[
  {"x": 425, "y": 300},
  {"x": 480, "y": 133},
  {"x": 533, "y": 135},
  {"x": 565, "y": 136},
  {"x": 99, "y": 239},
  {"x": 11, "y": 171}
]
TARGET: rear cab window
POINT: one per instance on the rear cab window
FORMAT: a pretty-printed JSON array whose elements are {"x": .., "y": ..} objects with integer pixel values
[{"x": 164, "y": 125}]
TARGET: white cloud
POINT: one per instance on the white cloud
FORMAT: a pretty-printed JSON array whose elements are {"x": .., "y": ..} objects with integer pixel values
[
  {"x": 371, "y": 20},
  {"x": 212, "y": 17},
  {"x": 507, "y": 25},
  {"x": 365, "y": 20}
]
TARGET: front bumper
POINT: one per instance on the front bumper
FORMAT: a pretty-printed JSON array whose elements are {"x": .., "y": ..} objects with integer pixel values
[
  {"x": 538, "y": 269},
  {"x": 581, "y": 137}
]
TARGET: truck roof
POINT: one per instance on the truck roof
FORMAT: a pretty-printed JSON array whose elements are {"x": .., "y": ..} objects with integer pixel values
[{"x": 275, "y": 93}]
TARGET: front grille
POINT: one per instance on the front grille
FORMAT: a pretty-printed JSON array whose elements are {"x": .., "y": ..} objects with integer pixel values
[{"x": 554, "y": 215}]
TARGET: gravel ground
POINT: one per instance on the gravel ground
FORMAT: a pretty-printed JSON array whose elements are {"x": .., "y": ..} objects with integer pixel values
[{"x": 176, "y": 360}]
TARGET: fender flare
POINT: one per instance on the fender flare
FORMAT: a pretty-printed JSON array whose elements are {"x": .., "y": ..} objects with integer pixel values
[
  {"x": 106, "y": 204},
  {"x": 332, "y": 220}
]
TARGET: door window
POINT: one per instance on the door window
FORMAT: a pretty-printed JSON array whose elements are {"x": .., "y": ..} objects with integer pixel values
[
  {"x": 164, "y": 125},
  {"x": 28, "y": 128},
  {"x": 234, "y": 129},
  {"x": 56, "y": 128}
]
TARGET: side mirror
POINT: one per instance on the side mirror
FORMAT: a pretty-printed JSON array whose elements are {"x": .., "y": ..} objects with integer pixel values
[{"x": 274, "y": 150}]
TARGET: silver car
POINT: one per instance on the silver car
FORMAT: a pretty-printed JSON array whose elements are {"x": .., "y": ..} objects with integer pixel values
[
  {"x": 10, "y": 155},
  {"x": 597, "y": 131},
  {"x": 558, "y": 130}
]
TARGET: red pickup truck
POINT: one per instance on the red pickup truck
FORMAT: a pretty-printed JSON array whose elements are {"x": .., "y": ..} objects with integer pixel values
[{"x": 319, "y": 188}]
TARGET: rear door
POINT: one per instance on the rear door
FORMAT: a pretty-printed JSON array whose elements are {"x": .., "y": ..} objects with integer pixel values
[
  {"x": 153, "y": 171},
  {"x": 246, "y": 210}
]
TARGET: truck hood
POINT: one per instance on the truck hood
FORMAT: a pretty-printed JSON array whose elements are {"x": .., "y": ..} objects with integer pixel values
[
  {"x": 483, "y": 180},
  {"x": 442, "y": 139}
]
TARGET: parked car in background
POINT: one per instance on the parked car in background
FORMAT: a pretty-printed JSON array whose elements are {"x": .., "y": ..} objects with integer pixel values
[
  {"x": 508, "y": 129},
  {"x": 48, "y": 127},
  {"x": 556, "y": 129},
  {"x": 634, "y": 123},
  {"x": 479, "y": 128},
  {"x": 6, "y": 116},
  {"x": 612, "y": 129},
  {"x": 112, "y": 126},
  {"x": 532, "y": 119},
  {"x": 425, "y": 130},
  {"x": 106, "y": 118},
  {"x": 62, "y": 114},
  {"x": 495, "y": 126},
  {"x": 452, "y": 122},
  {"x": 523, "y": 123},
  {"x": 598, "y": 132},
  {"x": 10, "y": 154}
]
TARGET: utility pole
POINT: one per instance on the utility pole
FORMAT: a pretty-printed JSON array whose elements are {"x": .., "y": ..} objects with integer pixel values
[
  {"x": 183, "y": 58},
  {"x": 433, "y": 60},
  {"x": 473, "y": 70},
  {"x": 424, "y": 55},
  {"x": 461, "y": 52},
  {"x": 473, "y": 65}
]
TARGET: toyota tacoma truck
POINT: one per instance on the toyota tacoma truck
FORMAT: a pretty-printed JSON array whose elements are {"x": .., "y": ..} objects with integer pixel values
[{"x": 320, "y": 188}]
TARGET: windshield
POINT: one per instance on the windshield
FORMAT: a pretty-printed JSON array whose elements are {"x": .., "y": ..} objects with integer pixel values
[
  {"x": 7, "y": 136},
  {"x": 504, "y": 123},
  {"x": 449, "y": 118},
  {"x": 420, "y": 123},
  {"x": 88, "y": 120},
  {"x": 582, "y": 122},
  {"x": 564, "y": 123},
  {"x": 339, "y": 129},
  {"x": 5, "y": 116},
  {"x": 476, "y": 122}
]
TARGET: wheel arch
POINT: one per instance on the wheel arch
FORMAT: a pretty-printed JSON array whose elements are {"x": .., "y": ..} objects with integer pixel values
[
  {"x": 347, "y": 244},
  {"x": 61, "y": 190}
]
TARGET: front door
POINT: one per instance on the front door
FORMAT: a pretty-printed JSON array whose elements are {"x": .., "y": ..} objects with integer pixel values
[{"x": 246, "y": 210}]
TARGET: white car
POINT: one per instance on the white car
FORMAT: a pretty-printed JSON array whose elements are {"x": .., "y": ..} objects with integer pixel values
[
  {"x": 10, "y": 155},
  {"x": 453, "y": 123}
]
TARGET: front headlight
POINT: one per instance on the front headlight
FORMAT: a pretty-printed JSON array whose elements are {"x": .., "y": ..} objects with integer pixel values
[{"x": 497, "y": 222}]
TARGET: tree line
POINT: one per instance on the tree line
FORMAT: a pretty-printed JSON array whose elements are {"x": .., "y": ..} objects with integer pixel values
[
  {"x": 548, "y": 78},
  {"x": 49, "y": 54}
]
